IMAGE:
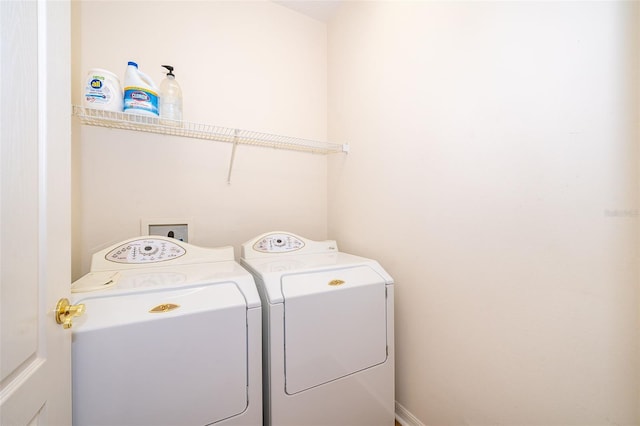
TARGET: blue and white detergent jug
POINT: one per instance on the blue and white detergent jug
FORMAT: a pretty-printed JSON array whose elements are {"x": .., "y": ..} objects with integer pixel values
[{"x": 140, "y": 93}]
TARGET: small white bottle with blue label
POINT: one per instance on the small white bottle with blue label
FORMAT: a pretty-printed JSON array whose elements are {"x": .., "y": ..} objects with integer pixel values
[{"x": 140, "y": 92}]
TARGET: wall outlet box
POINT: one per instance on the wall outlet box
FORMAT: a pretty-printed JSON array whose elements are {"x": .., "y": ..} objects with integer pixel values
[{"x": 173, "y": 228}]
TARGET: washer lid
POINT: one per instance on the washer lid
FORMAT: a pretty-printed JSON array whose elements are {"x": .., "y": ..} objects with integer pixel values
[
  {"x": 335, "y": 324},
  {"x": 105, "y": 310}
]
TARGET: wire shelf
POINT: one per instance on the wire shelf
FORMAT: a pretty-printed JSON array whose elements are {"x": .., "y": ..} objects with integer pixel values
[{"x": 141, "y": 123}]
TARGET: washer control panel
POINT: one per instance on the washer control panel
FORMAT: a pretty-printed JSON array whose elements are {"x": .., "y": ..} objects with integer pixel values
[
  {"x": 145, "y": 250},
  {"x": 278, "y": 243}
]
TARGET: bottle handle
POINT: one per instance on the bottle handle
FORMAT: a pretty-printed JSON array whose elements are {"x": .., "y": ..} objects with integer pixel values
[{"x": 148, "y": 80}]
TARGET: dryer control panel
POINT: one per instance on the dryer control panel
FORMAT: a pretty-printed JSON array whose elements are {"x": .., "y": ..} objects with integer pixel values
[
  {"x": 147, "y": 250},
  {"x": 278, "y": 243},
  {"x": 284, "y": 243}
]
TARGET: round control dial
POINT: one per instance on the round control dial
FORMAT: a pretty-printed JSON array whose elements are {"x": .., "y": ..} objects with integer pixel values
[{"x": 147, "y": 250}]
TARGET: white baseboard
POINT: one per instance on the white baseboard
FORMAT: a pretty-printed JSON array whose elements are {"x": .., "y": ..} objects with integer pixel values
[{"x": 405, "y": 418}]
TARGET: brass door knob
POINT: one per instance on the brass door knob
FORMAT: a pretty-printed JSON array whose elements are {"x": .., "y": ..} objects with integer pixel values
[{"x": 65, "y": 312}]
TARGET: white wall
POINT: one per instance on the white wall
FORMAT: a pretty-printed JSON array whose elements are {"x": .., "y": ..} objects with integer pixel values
[
  {"x": 494, "y": 173},
  {"x": 253, "y": 65}
]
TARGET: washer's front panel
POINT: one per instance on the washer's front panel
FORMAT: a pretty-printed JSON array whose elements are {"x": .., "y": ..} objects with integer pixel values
[
  {"x": 334, "y": 325},
  {"x": 169, "y": 358}
]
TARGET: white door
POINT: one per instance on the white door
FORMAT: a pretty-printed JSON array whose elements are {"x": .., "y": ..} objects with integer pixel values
[{"x": 35, "y": 352}]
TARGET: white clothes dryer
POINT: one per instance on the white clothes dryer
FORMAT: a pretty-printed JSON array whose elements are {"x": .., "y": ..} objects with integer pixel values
[
  {"x": 328, "y": 349},
  {"x": 171, "y": 335}
]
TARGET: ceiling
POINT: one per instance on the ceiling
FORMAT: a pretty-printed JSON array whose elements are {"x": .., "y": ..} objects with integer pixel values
[{"x": 322, "y": 10}]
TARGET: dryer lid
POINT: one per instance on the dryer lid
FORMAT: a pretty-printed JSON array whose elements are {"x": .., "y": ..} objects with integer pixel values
[{"x": 335, "y": 324}]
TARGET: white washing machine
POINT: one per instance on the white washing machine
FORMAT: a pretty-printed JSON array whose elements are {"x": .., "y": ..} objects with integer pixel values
[
  {"x": 328, "y": 348},
  {"x": 171, "y": 335}
]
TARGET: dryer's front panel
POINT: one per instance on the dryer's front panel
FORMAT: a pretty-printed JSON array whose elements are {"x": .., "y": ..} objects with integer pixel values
[
  {"x": 334, "y": 325},
  {"x": 176, "y": 357}
]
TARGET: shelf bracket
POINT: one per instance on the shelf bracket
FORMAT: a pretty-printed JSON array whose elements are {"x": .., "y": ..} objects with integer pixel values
[{"x": 233, "y": 154}]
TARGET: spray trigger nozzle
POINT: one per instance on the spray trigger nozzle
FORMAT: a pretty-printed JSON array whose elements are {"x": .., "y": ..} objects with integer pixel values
[{"x": 170, "y": 68}]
